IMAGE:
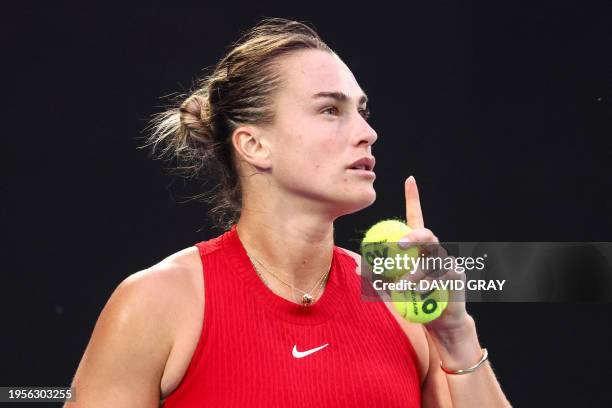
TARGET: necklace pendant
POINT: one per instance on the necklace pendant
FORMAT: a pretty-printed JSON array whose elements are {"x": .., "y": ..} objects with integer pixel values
[{"x": 306, "y": 299}]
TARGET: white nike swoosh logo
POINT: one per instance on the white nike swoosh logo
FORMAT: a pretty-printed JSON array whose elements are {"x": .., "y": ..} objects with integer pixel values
[{"x": 301, "y": 354}]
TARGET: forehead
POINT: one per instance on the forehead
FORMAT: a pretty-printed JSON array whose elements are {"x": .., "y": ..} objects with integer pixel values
[{"x": 308, "y": 72}]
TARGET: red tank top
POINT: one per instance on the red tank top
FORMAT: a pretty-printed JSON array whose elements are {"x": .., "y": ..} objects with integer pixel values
[{"x": 258, "y": 349}]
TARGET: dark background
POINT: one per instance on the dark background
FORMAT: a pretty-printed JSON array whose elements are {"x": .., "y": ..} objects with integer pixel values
[{"x": 501, "y": 110}]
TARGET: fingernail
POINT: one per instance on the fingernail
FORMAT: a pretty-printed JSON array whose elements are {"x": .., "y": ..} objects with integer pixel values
[
  {"x": 411, "y": 179},
  {"x": 403, "y": 243}
]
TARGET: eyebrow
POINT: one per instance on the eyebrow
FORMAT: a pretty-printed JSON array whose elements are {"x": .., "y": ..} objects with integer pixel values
[{"x": 339, "y": 96}]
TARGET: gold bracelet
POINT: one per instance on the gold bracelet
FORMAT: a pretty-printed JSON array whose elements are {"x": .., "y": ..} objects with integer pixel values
[{"x": 485, "y": 356}]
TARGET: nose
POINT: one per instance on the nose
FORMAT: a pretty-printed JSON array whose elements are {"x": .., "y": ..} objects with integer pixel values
[{"x": 366, "y": 133}]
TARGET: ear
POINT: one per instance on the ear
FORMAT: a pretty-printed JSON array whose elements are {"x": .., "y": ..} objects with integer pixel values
[{"x": 251, "y": 146}]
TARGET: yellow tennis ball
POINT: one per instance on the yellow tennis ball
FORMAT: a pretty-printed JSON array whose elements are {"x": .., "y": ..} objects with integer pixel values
[
  {"x": 420, "y": 307},
  {"x": 380, "y": 241}
]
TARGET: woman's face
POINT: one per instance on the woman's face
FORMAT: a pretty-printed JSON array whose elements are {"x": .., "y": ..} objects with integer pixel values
[{"x": 320, "y": 132}]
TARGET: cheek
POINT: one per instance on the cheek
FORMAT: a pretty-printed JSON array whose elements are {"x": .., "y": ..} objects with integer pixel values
[{"x": 314, "y": 151}]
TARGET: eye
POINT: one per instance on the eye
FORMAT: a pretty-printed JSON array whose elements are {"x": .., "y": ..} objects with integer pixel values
[
  {"x": 365, "y": 112},
  {"x": 331, "y": 109}
]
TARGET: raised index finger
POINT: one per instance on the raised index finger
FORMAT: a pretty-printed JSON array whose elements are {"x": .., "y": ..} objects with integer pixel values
[{"x": 414, "y": 216}]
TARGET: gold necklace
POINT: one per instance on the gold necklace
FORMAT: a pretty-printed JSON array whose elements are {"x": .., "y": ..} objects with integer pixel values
[{"x": 307, "y": 297}]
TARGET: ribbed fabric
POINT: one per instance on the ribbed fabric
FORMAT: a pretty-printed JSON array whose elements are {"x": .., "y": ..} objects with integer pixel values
[{"x": 244, "y": 355}]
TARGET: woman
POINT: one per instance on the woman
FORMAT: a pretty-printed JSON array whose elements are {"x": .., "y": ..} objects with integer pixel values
[{"x": 269, "y": 313}]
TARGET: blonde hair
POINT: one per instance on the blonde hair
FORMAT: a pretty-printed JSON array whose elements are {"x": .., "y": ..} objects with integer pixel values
[{"x": 196, "y": 131}]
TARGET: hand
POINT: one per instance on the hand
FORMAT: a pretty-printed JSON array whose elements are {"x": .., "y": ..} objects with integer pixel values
[{"x": 455, "y": 316}]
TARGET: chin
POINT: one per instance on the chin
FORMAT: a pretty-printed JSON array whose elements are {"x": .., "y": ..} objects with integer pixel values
[{"x": 358, "y": 201}]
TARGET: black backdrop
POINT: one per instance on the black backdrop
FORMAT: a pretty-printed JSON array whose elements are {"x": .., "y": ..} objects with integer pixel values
[{"x": 502, "y": 111}]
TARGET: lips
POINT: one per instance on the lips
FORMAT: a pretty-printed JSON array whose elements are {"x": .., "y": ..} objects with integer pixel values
[{"x": 365, "y": 163}]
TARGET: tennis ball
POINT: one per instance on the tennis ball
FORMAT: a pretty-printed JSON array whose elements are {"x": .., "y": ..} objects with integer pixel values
[
  {"x": 420, "y": 307},
  {"x": 380, "y": 241}
]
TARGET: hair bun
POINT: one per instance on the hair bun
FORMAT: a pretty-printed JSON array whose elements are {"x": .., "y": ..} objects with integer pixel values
[{"x": 195, "y": 115}]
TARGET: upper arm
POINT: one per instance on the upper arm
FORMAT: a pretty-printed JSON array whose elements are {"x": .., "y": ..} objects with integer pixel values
[{"x": 124, "y": 361}]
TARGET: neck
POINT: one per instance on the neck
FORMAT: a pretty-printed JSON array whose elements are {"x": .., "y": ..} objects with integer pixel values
[{"x": 297, "y": 249}]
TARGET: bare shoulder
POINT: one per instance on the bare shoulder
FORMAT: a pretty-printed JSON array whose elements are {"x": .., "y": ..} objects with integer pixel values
[
  {"x": 136, "y": 334},
  {"x": 173, "y": 272},
  {"x": 415, "y": 332},
  {"x": 163, "y": 290}
]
